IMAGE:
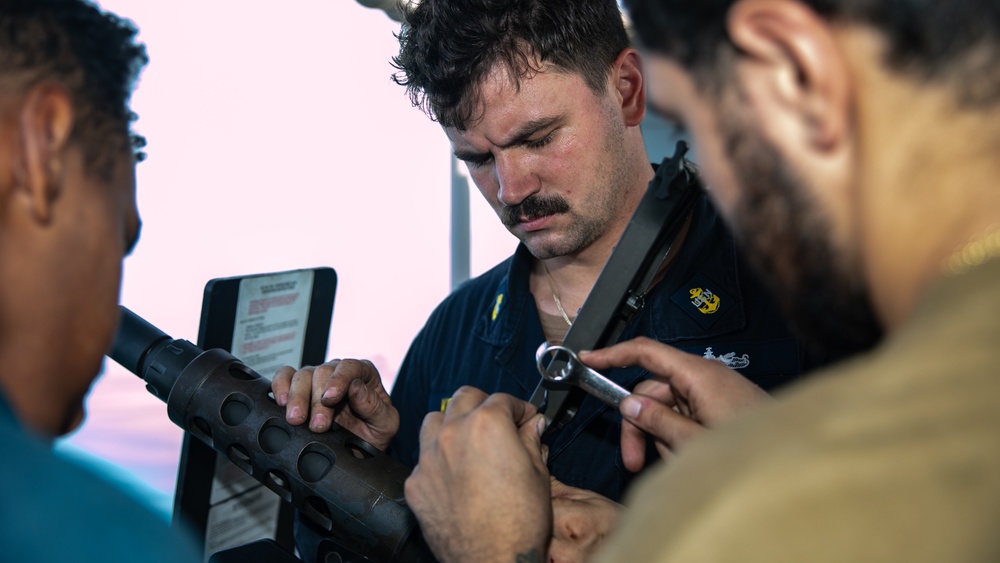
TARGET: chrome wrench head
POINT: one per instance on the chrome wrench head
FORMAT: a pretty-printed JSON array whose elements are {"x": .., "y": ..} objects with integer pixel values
[{"x": 560, "y": 364}]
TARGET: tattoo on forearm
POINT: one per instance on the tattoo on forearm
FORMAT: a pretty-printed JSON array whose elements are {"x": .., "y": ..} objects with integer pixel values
[{"x": 533, "y": 556}]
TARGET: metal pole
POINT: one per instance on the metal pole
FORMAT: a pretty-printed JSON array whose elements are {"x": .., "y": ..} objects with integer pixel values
[{"x": 460, "y": 230}]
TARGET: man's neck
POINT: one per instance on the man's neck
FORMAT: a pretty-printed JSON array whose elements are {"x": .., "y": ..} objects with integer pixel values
[{"x": 565, "y": 281}]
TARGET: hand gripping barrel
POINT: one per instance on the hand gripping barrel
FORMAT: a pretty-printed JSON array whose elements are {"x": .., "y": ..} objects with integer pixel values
[{"x": 341, "y": 483}]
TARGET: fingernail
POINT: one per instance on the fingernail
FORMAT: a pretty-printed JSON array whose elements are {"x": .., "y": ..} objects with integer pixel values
[
  {"x": 540, "y": 425},
  {"x": 318, "y": 422},
  {"x": 330, "y": 393},
  {"x": 296, "y": 413},
  {"x": 282, "y": 399},
  {"x": 630, "y": 407}
]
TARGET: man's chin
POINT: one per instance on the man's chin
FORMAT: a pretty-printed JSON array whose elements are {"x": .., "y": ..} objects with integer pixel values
[{"x": 540, "y": 248}]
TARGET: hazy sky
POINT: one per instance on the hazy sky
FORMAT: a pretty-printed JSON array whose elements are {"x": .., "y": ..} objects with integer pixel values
[{"x": 277, "y": 141}]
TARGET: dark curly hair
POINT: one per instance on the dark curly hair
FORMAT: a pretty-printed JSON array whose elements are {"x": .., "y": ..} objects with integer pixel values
[
  {"x": 931, "y": 40},
  {"x": 447, "y": 47},
  {"x": 93, "y": 54}
]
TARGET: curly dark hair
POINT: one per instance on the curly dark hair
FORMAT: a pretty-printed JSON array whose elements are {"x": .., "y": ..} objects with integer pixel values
[
  {"x": 447, "y": 47},
  {"x": 91, "y": 53},
  {"x": 931, "y": 40}
]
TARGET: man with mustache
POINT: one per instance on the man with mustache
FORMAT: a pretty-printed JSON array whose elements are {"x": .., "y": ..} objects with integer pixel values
[
  {"x": 852, "y": 145},
  {"x": 543, "y": 101}
]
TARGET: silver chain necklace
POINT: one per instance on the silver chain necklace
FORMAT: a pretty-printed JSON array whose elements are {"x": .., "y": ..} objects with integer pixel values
[{"x": 555, "y": 296}]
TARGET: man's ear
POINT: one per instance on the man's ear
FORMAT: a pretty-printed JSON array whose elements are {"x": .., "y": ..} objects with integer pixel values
[
  {"x": 628, "y": 82},
  {"x": 45, "y": 121},
  {"x": 790, "y": 55}
]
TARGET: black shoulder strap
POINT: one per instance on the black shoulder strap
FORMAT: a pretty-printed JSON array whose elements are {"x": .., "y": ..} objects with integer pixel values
[{"x": 619, "y": 292}]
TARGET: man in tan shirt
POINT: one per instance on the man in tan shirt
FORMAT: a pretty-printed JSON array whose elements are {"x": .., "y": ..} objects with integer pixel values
[{"x": 852, "y": 144}]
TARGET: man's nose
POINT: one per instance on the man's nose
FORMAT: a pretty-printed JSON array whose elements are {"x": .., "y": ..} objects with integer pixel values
[{"x": 515, "y": 180}]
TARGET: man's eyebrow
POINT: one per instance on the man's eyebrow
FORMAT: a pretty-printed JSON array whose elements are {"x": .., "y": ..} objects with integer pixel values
[
  {"x": 528, "y": 130},
  {"x": 470, "y": 156},
  {"x": 522, "y": 135}
]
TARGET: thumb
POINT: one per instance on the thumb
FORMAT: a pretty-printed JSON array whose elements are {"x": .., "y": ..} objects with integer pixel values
[
  {"x": 660, "y": 421},
  {"x": 367, "y": 404},
  {"x": 531, "y": 436},
  {"x": 361, "y": 400}
]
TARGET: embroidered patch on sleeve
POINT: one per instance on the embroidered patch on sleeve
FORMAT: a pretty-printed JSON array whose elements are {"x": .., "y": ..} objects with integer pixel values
[{"x": 703, "y": 301}]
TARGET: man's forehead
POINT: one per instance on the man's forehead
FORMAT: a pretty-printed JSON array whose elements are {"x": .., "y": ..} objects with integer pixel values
[
  {"x": 500, "y": 101},
  {"x": 505, "y": 78}
]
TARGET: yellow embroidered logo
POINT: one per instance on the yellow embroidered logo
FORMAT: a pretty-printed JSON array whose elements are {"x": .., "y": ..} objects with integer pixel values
[
  {"x": 706, "y": 301},
  {"x": 496, "y": 310},
  {"x": 444, "y": 403}
]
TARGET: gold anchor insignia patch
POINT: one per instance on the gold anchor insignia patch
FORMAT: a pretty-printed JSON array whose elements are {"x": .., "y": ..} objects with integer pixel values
[{"x": 706, "y": 301}]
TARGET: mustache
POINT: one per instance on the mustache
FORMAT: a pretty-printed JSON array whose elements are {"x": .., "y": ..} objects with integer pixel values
[{"x": 532, "y": 207}]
